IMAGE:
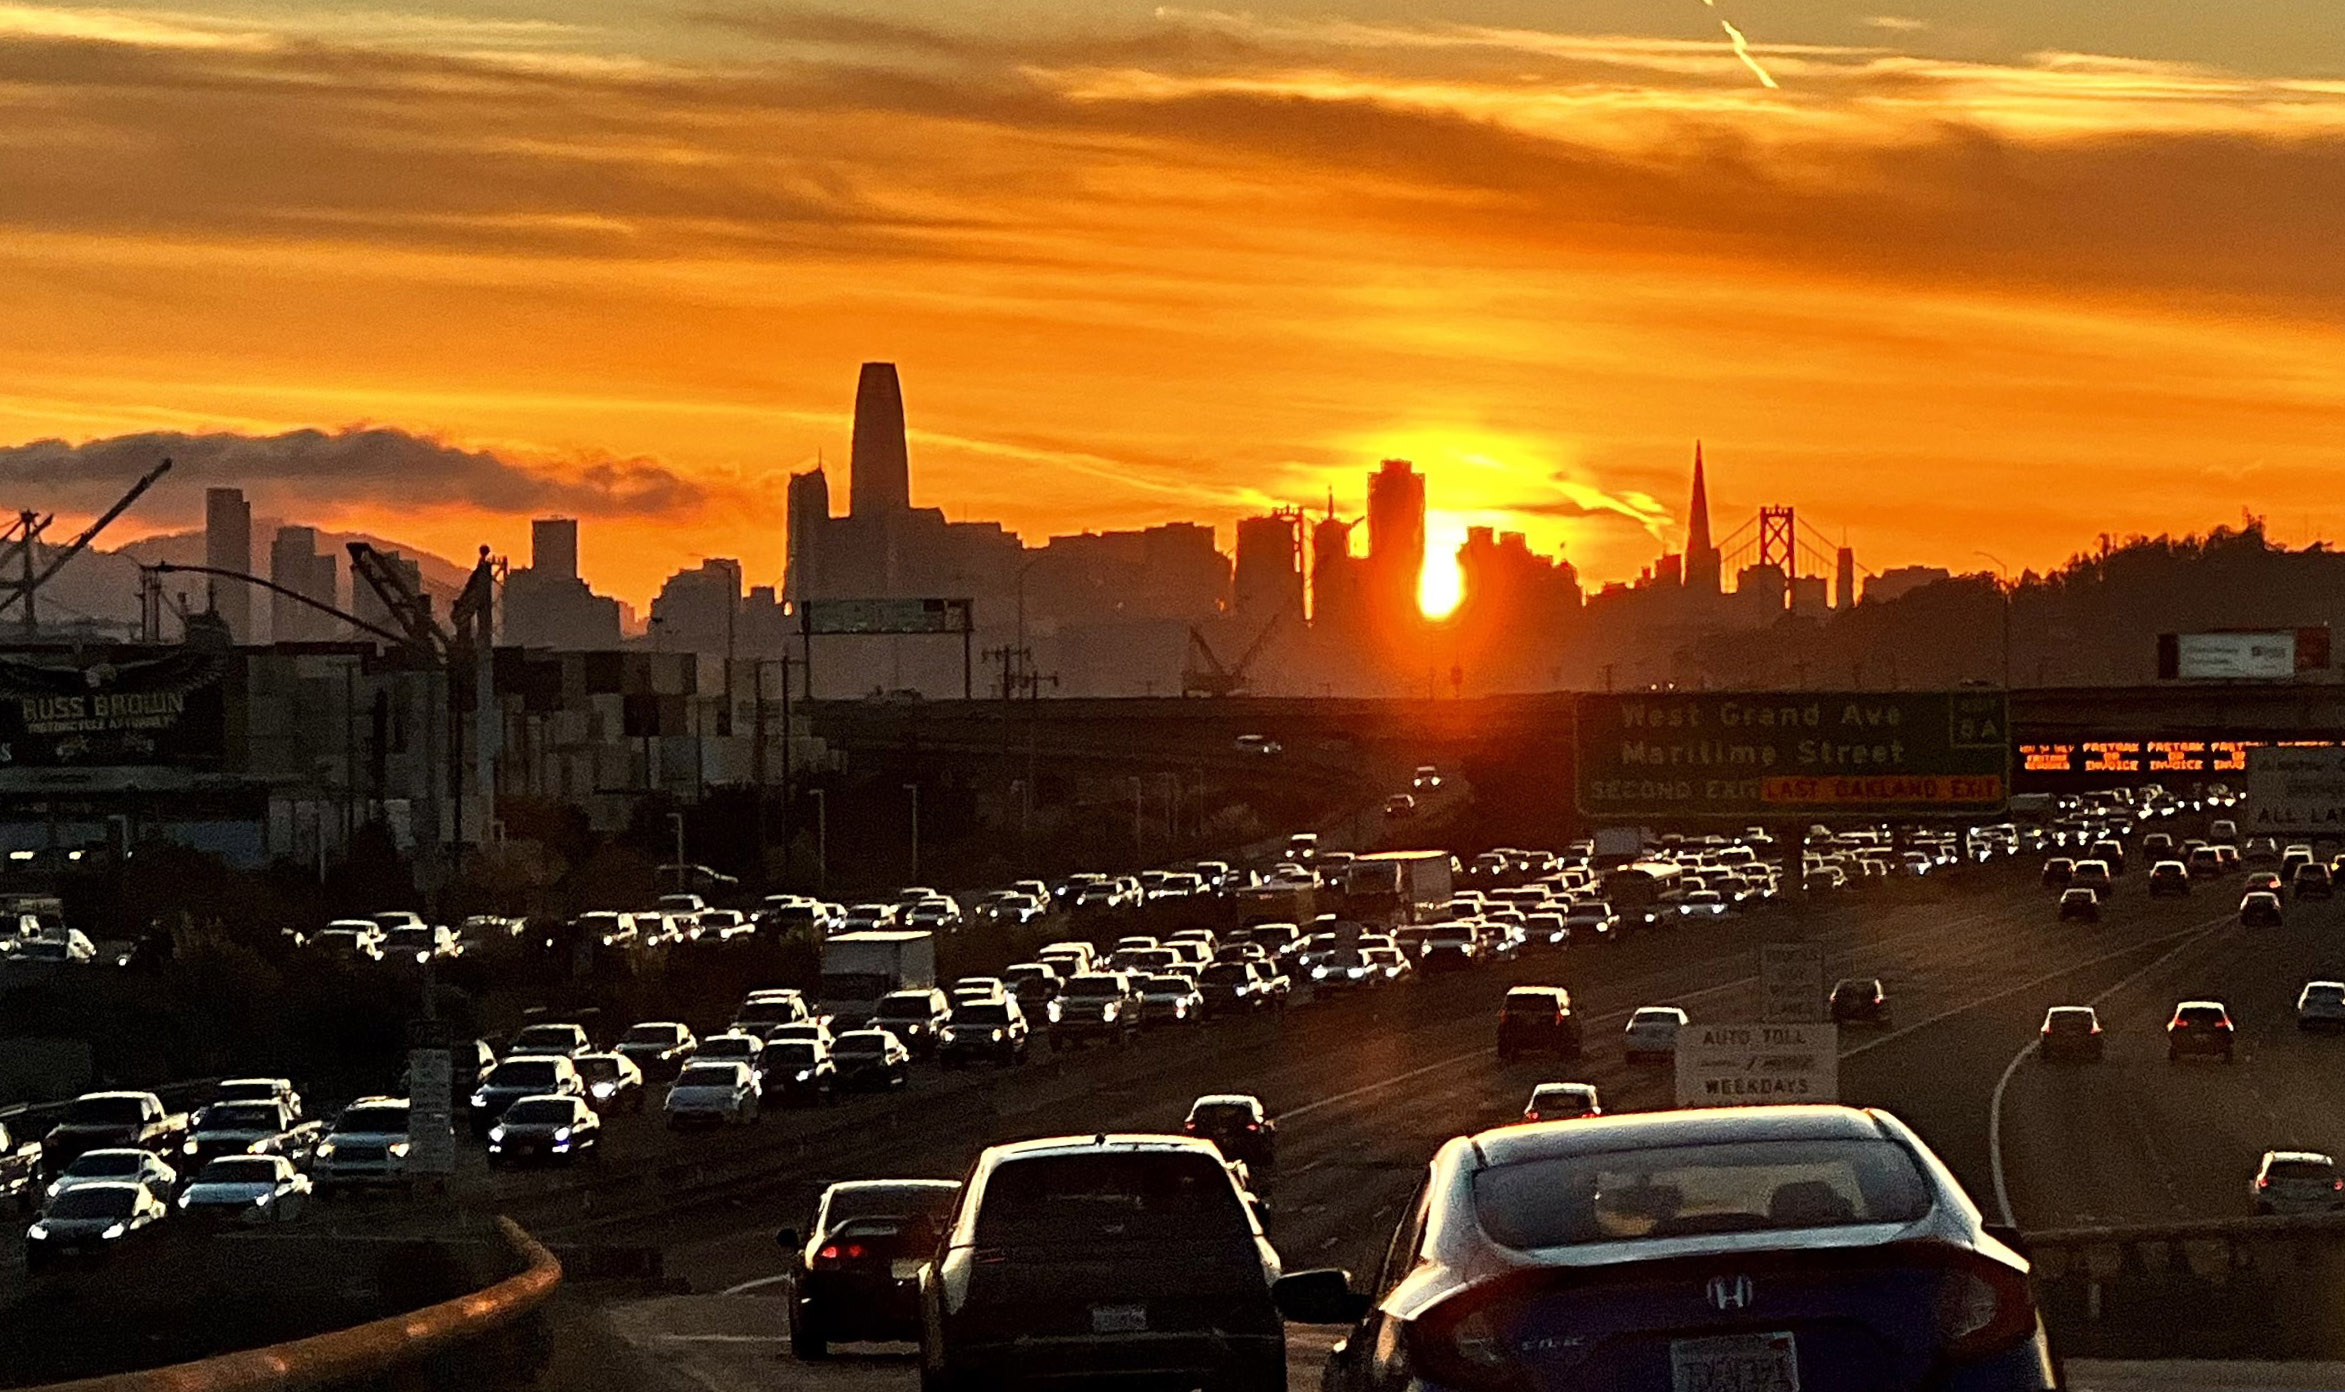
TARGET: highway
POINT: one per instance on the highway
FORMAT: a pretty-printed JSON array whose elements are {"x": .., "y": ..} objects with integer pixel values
[{"x": 1365, "y": 1088}]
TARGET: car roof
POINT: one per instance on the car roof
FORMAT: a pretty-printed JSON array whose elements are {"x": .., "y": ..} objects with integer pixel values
[
  {"x": 1104, "y": 1143},
  {"x": 2071, "y": 1010},
  {"x": 1703, "y": 1126},
  {"x": 2199, "y": 1005},
  {"x": 1228, "y": 1099},
  {"x": 87, "y": 1096},
  {"x": 2307, "y": 1157},
  {"x": 271, "y": 1082},
  {"x": 873, "y": 1186},
  {"x": 114, "y": 1150},
  {"x": 100, "y": 1186}
]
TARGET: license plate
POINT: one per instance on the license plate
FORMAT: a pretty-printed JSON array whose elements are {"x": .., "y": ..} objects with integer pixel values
[
  {"x": 1734, "y": 1363},
  {"x": 1119, "y": 1319}
]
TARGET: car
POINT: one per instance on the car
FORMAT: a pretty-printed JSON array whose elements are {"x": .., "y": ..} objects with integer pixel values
[
  {"x": 108, "y": 1166},
  {"x": 2080, "y": 905},
  {"x": 2058, "y": 871},
  {"x": 1859, "y": 1000},
  {"x": 112, "y": 1120},
  {"x": 1233, "y": 988},
  {"x": 869, "y": 1060},
  {"x": 805, "y": 1032},
  {"x": 20, "y": 1169},
  {"x": 1034, "y": 984},
  {"x": 2070, "y": 1032},
  {"x": 977, "y": 988},
  {"x": 1592, "y": 920},
  {"x": 1258, "y": 746},
  {"x": 2313, "y": 880},
  {"x": 2169, "y": 879},
  {"x": 528, "y": 1076},
  {"x": 916, "y": 1018},
  {"x": 1740, "y": 1247},
  {"x": 2264, "y": 880},
  {"x": 733, "y": 1046},
  {"x": 1095, "y": 1005},
  {"x": 2260, "y": 909},
  {"x": 1562, "y": 1102},
  {"x": 606, "y": 928},
  {"x": 2092, "y": 874},
  {"x": 797, "y": 1072},
  {"x": 1238, "y": 1127},
  {"x": 939, "y": 915},
  {"x": 557, "y": 1127},
  {"x": 613, "y": 1082},
  {"x": 2296, "y": 1181},
  {"x": 1538, "y": 1019},
  {"x": 988, "y": 1031},
  {"x": 550, "y": 1039},
  {"x": 1702, "y": 903},
  {"x": 1083, "y": 1261},
  {"x": 278, "y": 1090},
  {"x": 366, "y": 1145},
  {"x": 420, "y": 943},
  {"x": 765, "y": 1009},
  {"x": 1651, "y": 1032},
  {"x": 1386, "y": 966},
  {"x": 2321, "y": 1006},
  {"x": 855, "y": 1273},
  {"x": 1426, "y": 778},
  {"x": 713, "y": 1092},
  {"x": 1451, "y": 946},
  {"x": 244, "y": 1128},
  {"x": 2201, "y": 1027},
  {"x": 657, "y": 1047},
  {"x": 247, "y": 1190},
  {"x": 2205, "y": 862},
  {"x": 358, "y": 939},
  {"x": 1400, "y": 806},
  {"x": 91, "y": 1221}
]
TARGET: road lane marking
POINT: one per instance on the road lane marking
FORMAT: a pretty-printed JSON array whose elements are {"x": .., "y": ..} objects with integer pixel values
[
  {"x": 1995, "y": 1102},
  {"x": 759, "y": 1283},
  {"x": 722, "y": 1338}
]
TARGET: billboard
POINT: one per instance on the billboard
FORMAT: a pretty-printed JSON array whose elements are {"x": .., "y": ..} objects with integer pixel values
[
  {"x": 111, "y": 707},
  {"x": 2241, "y": 654},
  {"x": 836, "y": 616},
  {"x": 2295, "y": 791},
  {"x": 1752, "y": 755},
  {"x": 1755, "y": 1065}
]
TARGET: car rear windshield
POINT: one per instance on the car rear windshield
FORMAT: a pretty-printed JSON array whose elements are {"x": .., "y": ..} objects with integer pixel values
[
  {"x": 1686, "y": 1191},
  {"x": 1109, "y": 1200},
  {"x": 1217, "y": 1114},
  {"x": 2069, "y": 1022},
  {"x": 907, "y": 1007},
  {"x": 373, "y": 1120},
  {"x": 2302, "y": 1169},
  {"x": 598, "y": 1067},
  {"x": 247, "y": 1092},
  {"x": 239, "y": 1116},
  {"x": 652, "y": 1034},
  {"x": 983, "y": 1015},
  {"x": 107, "y": 1111},
  {"x": 859, "y": 1042},
  {"x": 709, "y": 1075},
  {"x": 791, "y": 1055},
  {"x": 1226, "y": 974},
  {"x": 2201, "y": 1015},
  {"x": 93, "y": 1203},
  {"x": 534, "y": 1073},
  {"x": 1096, "y": 987},
  {"x": 239, "y": 1169},
  {"x": 536, "y": 1111},
  {"x": 107, "y": 1162},
  {"x": 890, "y": 1201}
]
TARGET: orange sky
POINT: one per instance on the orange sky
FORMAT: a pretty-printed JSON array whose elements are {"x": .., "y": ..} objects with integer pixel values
[{"x": 1184, "y": 268}]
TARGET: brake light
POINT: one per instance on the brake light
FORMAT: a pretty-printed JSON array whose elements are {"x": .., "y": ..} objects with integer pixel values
[
  {"x": 832, "y": 1253},
  {"x": 1462, "y": 1343},
  {"x": 2263, "y": 1181},
  {"x": 1253, "y": 1126},
  {"x": 1983, "y": 1307}
]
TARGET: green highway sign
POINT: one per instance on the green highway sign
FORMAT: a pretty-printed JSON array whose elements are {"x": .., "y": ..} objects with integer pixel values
[{"x": 1753, "y": 755}]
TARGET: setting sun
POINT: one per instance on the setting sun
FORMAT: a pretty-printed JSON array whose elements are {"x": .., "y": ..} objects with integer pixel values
[{"x": 1441, "y": 585}]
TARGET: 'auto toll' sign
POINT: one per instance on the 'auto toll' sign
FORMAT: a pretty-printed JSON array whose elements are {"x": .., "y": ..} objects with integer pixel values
[
  {"x": 1758, "y": 755},
  {"x": 1751, "y": 1065}
]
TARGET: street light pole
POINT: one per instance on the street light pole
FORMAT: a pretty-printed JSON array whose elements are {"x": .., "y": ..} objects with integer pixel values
[
  {"x": 2003, "y": 588},
  {"x": 822, "y": 835},
  {"x": 914, "y": 790},
  {"x": 678, "y": 819}
]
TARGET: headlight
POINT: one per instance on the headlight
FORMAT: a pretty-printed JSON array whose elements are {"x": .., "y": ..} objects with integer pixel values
[
  {"x": 259, "y": 1201},
  {"x": 56, "y": 1188},
  {"x": 325, "y": 1150},
  {"x": 183, "y": 1198},
  {"x": 563, "y": 1134},
  {"x": 949, "y": 1034},
  {"x": 603, "y": 1091},
  {"x": 38, "y": 1232},
  {"x": 189, "y": 1148},
  {"x": 113, "y": 1231},
  {"x": 995, "y": 1036},
  {"x": 398, "y": 1148},
  {"x": 805, "y": 1075},
  {"x": 481, "y": 1098},
  {"x": 1108, "y": 1011},
  {"x": 496, "y": 1135}
]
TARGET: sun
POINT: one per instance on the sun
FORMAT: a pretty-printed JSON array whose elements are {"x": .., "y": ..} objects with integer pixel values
[{"x": 1440, "y": 584}]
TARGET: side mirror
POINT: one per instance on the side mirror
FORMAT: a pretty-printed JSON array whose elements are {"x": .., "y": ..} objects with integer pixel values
[
  {"x": 2008, "y": 1235},
  {"x": 787, "y": 1238},
  {"x": 1322, "y": 1296}
]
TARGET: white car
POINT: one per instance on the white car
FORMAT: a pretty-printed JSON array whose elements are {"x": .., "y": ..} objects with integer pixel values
[
  {"x": 352, "y": 937},
  {"x": 1592, "y": 920},
  {"x": 1563, "y": 1102},
  {"x": 122, "y": 1166},
  {"x": 1426, "y": 778},
  {"x": 724, "y": 925},
  {"x": 933, "y": 914},
  {"x": 1704, "y": 903},
  {"x": 1652, "y": 1032},
  {"x": 247, "y": 1189},
  {"x": 2321, "y": 1005},
  {"x": 711, "y": 1092},
  {"x": 2296, "y": 1181}
]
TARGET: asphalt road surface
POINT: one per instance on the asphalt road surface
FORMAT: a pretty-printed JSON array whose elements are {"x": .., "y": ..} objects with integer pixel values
[{"x": 1365, "y": 1088}]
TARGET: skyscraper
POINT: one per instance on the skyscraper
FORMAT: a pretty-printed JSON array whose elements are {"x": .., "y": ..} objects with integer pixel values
[
  {"x": 1269, "y": 576},
  {"x": 1396, "y": 543},
  {"x": 808, "y": 522},
  {"x": 228, "y": 546},
  {"x": 553, "y": 547},
  {"x": 879, "y": 470},
  {"x": 1701, "y": 558},
  {"x": 294, "y": 564}
]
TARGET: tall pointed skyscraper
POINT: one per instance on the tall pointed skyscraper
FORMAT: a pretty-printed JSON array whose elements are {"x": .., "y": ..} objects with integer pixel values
[
  {"x": 879, "y": 472},
  {"x": 1701, "y": 558}
]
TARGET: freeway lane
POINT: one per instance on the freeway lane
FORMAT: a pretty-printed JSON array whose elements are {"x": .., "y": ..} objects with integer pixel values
[
  {"x": 1354, "y": 1140},
  {"x": 2139, "y": 1139}
]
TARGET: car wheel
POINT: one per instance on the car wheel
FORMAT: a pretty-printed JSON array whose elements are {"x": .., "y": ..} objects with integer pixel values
[{"x": 806, "y": 1338}]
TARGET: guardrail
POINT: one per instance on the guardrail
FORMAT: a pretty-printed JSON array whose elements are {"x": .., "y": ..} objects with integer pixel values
[
  {"x": 364, "y": 1354},
  {"x": 31, "y": 1119},
  {"x": 2216, "y": 1288}
]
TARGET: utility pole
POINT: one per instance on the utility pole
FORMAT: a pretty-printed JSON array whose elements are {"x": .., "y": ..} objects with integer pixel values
[
  {"x": 678, "y": 819},
  {"x": 822, "y": 833},
  {"x": 914, "y": 790},
  {"x": 31, "y": 524}
]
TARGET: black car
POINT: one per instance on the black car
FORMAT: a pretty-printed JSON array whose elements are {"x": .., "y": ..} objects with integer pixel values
[
  {"x": 1099, "y": 1260},
  {"x": 1860, "y": 1000},
  {"x": 797, "y": 1072},
  {"x": 855, "y": 1274},
  {"x": 516, "y": 1078},
  {"x": 1095, "y": 1005},
  {"x": 2201, "y": 1027},
  {"x": 916, "y": 1018},
  {"x": 986, "y": 1031},
  {"x": 1237, "y": 1126},
  {"x": 870, "y": 1060},
  {"x": 2058, "y": 871},
  {"x": 1538, "y": 1019},
  {"x": 2080, "y": 905},
  {"x": 2070, "y": 1032},
  {"x": 2313, "y": 881},
  {"x": 2169, "y": 879},
  {"x": 2260, "y": 909}
]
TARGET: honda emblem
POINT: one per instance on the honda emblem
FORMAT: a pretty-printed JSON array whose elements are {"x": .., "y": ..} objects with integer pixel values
[{"x": 1730, "y": 1292}]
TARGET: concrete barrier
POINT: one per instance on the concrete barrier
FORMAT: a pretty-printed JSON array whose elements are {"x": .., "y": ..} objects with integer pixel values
[
  {"x": 459, "y": 1342},
  {"x": 2269, "y": 1288}
]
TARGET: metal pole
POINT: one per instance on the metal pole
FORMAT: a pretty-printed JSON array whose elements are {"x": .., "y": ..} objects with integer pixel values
[
  {"x": 678, "y": 819},
  {"x": 822, "y": 833},
  {"x": 31, "y": 532},
  {"x": 914, "y": 790}
]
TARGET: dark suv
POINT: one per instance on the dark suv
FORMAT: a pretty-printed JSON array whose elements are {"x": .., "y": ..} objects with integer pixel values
[
  {"x": 1538, "y": 1019},
  {"x": 1098, "y": 1259},
  {"x": 917, "y": 1018},
  {"x": 1235, "y": 1123},
  {"x": 1860, "y": 1000},
  {"x": 2200, "y": 1027},
  {"x": 856, "y": 1274}
]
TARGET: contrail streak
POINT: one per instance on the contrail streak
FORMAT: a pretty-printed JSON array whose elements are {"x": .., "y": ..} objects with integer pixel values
[{"x": 1742, "y": 50}]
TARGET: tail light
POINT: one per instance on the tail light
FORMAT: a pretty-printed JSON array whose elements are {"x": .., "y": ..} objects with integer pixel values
[
  {"x": 1983, "y": 1307},
  {"x": 1462, "y": 1343},
  {"x": 1253, "y": 1126},
  {"x": 834, "y": 1253}
]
